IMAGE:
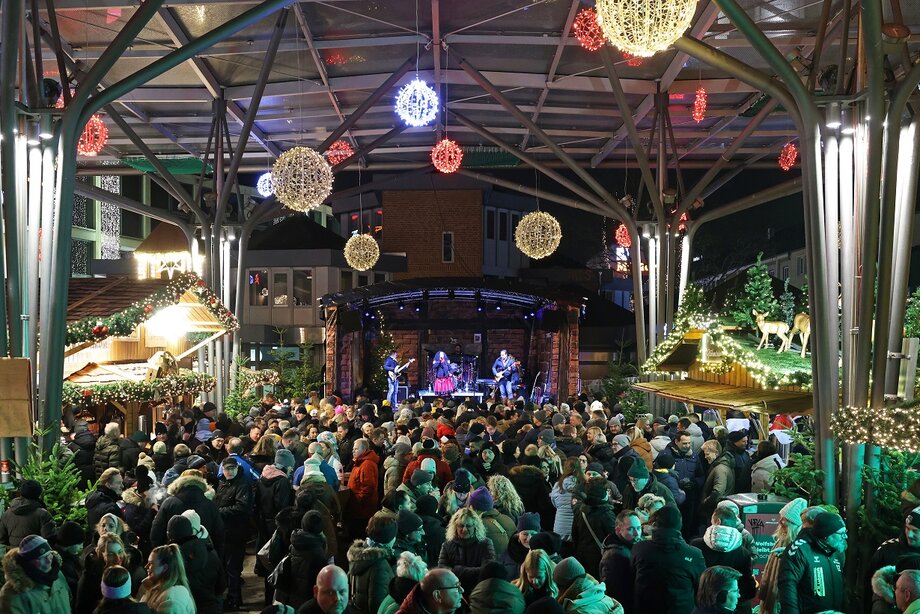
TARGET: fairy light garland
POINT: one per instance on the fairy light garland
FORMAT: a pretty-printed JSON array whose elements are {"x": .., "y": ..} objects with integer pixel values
[
  {"x": 124, "y": 322},
  {"x": 187, "y": 382},
  {"x": 894, "y": 427}
]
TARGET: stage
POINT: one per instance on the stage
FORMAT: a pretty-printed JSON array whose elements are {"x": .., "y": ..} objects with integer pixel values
[{"x": 430, "y": 395}]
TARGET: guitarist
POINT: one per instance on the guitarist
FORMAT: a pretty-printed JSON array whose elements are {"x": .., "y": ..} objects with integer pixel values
[
  {"x": 390, "y": 365},
  {"x": 504, "y": 369}
]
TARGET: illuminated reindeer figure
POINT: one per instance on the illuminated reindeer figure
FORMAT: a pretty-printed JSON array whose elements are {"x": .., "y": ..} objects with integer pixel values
[
  {"x": 802, "y": 326},
  {"x": 780, "y": 329}
]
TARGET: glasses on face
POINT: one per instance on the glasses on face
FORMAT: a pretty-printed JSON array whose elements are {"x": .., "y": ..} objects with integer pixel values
[{"x": 447, "y": 588}]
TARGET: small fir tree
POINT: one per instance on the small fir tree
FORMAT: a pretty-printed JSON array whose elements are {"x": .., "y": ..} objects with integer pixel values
[
  {"x": 787, "y": 303},
  {"x": 758, "y": 296},
  {"x": 912, "y": 315},
  {"x": 386, "y": 344},
  {"x": 59, "y": 478}
]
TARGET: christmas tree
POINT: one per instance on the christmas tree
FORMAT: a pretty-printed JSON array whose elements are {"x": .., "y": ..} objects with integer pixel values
[
  {"x": 386, "y": 344},
  {"x": 757, "y": 296}
]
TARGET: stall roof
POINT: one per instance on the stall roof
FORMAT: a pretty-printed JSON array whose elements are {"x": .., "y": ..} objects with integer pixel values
[{"x": 724, "y": 396}]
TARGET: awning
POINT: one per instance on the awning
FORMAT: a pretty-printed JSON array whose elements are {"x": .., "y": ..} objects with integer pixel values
[{"x": 723, "y": 396}]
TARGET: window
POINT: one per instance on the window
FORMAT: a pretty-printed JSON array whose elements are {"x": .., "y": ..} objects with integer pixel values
[
  {"x": 280, "y": 290},
  {"x": 502, "y": 226},
  {"x": 800, "y": 266},
  {"x": 785, "y": 272},
  {"x": 379, "y": 278},
  {"x": 515, "y": 218},
  {"x": 346, "y": 281},
  {"x": 132, "y": 224},
  {"x": 362, "y": 280},
  {"x": 258, "y": 288},
  {"x": 303, "y": 287},
  {"x": 490, "y": 224},
  {"x": 447, "y": 247}
]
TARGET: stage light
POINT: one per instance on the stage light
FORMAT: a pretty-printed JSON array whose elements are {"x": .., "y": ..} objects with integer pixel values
[
  {"x": 418, "y": 307},
  {"x": 498, "y": 306},
  {"x": 479, "y": 307},
  {"x": 402, "y": 305}
]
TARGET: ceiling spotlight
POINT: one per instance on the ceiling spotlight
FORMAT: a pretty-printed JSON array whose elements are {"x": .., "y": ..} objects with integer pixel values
[
  {"x": 498, "y": 306},
  {"x": 833, "y": 124},
  {"x": 402, "y": 305},
  {"x": 418, "y": 307},
  {"x": 479, "y": 307},
  {"x": 849, "y": 130}
]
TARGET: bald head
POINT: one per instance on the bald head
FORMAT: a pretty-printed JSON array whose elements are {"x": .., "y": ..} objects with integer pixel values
[
  {"x": 907, "y": 589},
  {"x": 331, "y": 590},
  {"x": 442, "y": 591}
]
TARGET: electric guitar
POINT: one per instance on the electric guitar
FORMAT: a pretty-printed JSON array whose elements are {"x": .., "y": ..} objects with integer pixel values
[
  {"x": 394, "y": 374},
  {"x": 506, "y": 371}
]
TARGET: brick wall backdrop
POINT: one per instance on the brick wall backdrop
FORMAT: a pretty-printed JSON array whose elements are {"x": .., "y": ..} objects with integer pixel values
[{"x": 414, "y": 222}]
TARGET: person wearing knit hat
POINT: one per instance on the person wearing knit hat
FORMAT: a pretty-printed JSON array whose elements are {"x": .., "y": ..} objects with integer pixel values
[
  {"x": 620, "y": 442},
  {"x": 420, "y": 478},
  {"x": 204, "y": 570},
  {"x": 641, "y": 482},
  {"x": 34, "y": 581},
  {"x": 197, "y": 528},
  {"x": 179, "y": 529},
  {"x": 529, "y": 521},
  {"x": 410, "y": 534},
  {"x": 499, "y": 527},
  {"x": 549, "y": 542},
  {"x": 456, "y": 493},
  {"x": 284, "y": 460},
  {"x": 481, "y": 500},
  {"x": 546, "y": 437},
  {"x": 810, "y": 573},
  {"x": 791, "y": 513},
  {"x": 566, "y": 572},
  {"x": 26, "y": 514}
]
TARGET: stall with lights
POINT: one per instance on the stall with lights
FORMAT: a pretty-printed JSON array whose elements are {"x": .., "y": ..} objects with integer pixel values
[
  {"x": 131, "y": 343},
  {"x": 711, "y": 365}
]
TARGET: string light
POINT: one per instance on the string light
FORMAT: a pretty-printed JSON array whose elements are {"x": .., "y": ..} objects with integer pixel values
[
  {"x": 264, "y": 185},
  {"x": 446, "y": 156},
  {"x": 93, "y": 138},
  {"x": 644, "y": 28},
  {"x": 788, "y": 156},
  {"x": 538, "y": 234},
  {"x": 621, "y": 234},
  {"x": 893, "y": 427},
  {"x": 417, "y": 104},
  {"x": 302, "y": 179},
  {"x": 338, "y": 152},
  {"x": 632, "y": 60},
  {"x": 186, "y": 383},
  {"x": 587, "y": 30},
  {"x": 111, "y": 220},
  {"x": 699, "y": 105},
  {"x": 361, "y": 252}
]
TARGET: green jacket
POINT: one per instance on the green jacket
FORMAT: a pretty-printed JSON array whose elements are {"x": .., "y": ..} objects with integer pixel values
[
  {"x": 20, "y": 595},
  {"x": 720, "y": 482},
  {"x": 810, "y": 577}
]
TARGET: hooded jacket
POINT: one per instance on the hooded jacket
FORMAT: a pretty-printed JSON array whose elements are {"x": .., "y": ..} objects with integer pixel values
[
  {"x": 100, "y": 502},
  {"x": 644, "y": 449},
  {"x": 696, "y": 437},
  {"x": 810, "y": 577},
  {"x": 669, "y": 479},
  {"x": 273, "y": 494},
  {"x": 107, "y": 454},
  {"x": 499, "y": 529},
  {"x": 173, "y": 473},
  {"x": 21, "y": 595},
  {"x": 762, "y": 472},
  {"x": 659, "y": 444},
  {"x": 24, "y": 517},
  {"x": 206, "y": 578},
  {"x": 188, "y": 493},
  {"x": 631, "y": 497},
  {"x": 393, "y": 470},
  {"x": 614, "y": 570},
  {"x": 889, "y": 553},
  {"x": 496, "y": 596},
  {"x": 721, "y": 545},
  {"x": 365, "y": 492},
  {"x": 665, "y": 573},
  {"x": 720, "y": 482},
  {"x": 442, "y": 472},
  {"x": 603, "y": 453},
  {"x": 562, "y": 499},
  {"x": 83, "y": 447},
  {"x": 883, "y": 586},
  {"x": 129, "y": 452},
  {"x": 369, "y": 574},
  {"x": 592, "y": 600},
  {"x": 531, "y": 485},
  {"x": 307, "y": 558},
  {"x": 596, "y": 516}
]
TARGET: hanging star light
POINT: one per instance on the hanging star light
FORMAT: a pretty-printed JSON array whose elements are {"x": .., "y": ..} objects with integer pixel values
[
  {"x": 587, "y": 30},
  {"x": 361, "y": 252},
  {"x": 644, "y": 28},
  {"x": 338, "y": 152},
  {"x": 93, "y": 138},
  {"x": 788, "y": 156},
  {"x": 699, "y": 105},
  {"x": 264, "y": 185},
  {"x": 621, "y": 234},
  {"x": 538, "y": 234},
  {"x": 446, "y": 156},
  {"x": 302, "y": 179},
  {"x": 417, "y": 104}
]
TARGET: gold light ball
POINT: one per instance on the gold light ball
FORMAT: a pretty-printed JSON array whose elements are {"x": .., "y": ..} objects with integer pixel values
[
  {"x": 538, "y": 235},
  {"x": 644, "y": 28},
  {"x": 302, "y": 179},
  {"x": 362, "y": 252}
]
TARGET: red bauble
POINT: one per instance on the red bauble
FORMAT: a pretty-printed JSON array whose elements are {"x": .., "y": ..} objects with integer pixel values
[
  {"x": 621, "y": 234},
  {"x": 699, "y": 105},
  {"x": 201, "y": 283},
  {"x": 148, "y": 309},
  {"x": 788, "y": 156},
  {"x": 213, "y": 300},
  {"x": 339, "y": 152},
  {"x": 104, "y": 330},
  {"x": 587, "y": 30},
  {"x": 94, "y": 137},
  {"x": 97, "y": 330},
  {"x": 446, "y": 156},
  {"x": 87, "y": 392}
]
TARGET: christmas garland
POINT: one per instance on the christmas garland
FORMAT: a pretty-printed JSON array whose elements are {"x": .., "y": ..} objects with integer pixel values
[
  {"x": 187, "y": 382},
  {"x": 124, "y": 322},
  {"x": 250, "y": 378},
  {"x": 894, "y": 427}
]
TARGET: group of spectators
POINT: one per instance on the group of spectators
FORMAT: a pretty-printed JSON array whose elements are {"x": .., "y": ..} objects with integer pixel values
[{"x": 432, "y": 508}]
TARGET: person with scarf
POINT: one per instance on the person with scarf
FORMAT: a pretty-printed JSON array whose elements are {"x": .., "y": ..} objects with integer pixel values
[{"x": 34, "y": 581}]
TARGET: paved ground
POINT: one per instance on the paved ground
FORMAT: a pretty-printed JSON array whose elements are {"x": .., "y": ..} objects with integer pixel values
[{"x": 253, "y": 587}]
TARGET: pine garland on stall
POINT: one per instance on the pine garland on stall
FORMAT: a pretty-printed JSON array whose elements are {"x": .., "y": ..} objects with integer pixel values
[{"x": 186, "y": 383}]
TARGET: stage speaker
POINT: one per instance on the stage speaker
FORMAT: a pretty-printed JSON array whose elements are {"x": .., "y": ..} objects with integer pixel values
[
  {"x": 402, "y": 393},
  {"x": 552, "y": 321}
]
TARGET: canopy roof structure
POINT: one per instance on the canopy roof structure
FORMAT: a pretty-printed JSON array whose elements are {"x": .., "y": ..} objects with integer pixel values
[{"x": 335, "y": 54}]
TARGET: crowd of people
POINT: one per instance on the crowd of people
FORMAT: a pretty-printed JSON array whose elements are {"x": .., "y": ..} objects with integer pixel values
[{"x": 432, "y": 508}]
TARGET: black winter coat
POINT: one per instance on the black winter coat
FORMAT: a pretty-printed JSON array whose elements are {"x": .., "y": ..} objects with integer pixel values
[
  {"x": 602, "y": 519},
  {"x": 108, "y": 454},
  {"x": 83, "y": 447},
  {"x": 234, "y": 501},
  {"x": 465, "y": 557},
  {"x": 123, "y": 606},
  {"x": 531, "y": 485},
  {"x": 205, "y": 572},
  {"x": 614, "y": 571},
  {"x": 188, "y": 493},
  {"x": 25, "y": 517},
  {"x": 665, "y": 573},
  {"x": 307, "y": 558},
  {"x": 273, "y": 494},
  {"x": 887, "y": 554},
  {"x": 130, "y": 452},
  {"x": 100, "y": 502},
  {"x": 743, "y": 465},
  {"x": 369, "y": 574},
  {"x": 435, "y": 534},
  {"x": 798, "y": 569},
  {"x": 72, "y": 568}
]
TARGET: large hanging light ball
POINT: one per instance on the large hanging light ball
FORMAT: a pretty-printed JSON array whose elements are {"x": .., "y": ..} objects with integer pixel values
[
  {"x": 621, "y": 234},
  {"x": 361, "y": 252},
  {"x": 417, "y": 104},
  {"x": 264, "y": 186},
  {"x": 339, "y": 152},
  {"x": 93, "y": 138},
  {"x": 446, "y": 156},
  {"x": 302, "y": 179},
  {"x": 587, "y": 30},
  {"x": 699, "y": 105},
  {"x": 788, "y": 156},
  {"x": 643, "y": 28},
  {"x": 538, "y": 235}
]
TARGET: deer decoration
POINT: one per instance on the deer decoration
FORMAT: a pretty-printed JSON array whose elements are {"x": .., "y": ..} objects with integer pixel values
[
  {"x": 801, "y": 325},
  {"x": 780, "y": 329}
]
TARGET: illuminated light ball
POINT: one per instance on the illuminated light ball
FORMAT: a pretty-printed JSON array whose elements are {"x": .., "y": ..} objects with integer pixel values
[
  {"x": 632, "y": 60},
  {"x": 361, "y": 252},
  {"x": 94, "y": 137},
  {"x": 644, "y": 28},
  {"x": 446, "y": 156},
  {"x": 60, "y": 101},
  {"x": 302, "y": 179},
  {"x": 264, "y": 186},
  {"x": 621, "y": 235},
  {"x": 587, "y": 30},
  {"x": 538, "y": 235},
  {"x": 417, "y": 104},
  {"x": 338, "y": 152},
  {"x": 788, "y": 156},
  {"x": 699, "y": 105}
]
